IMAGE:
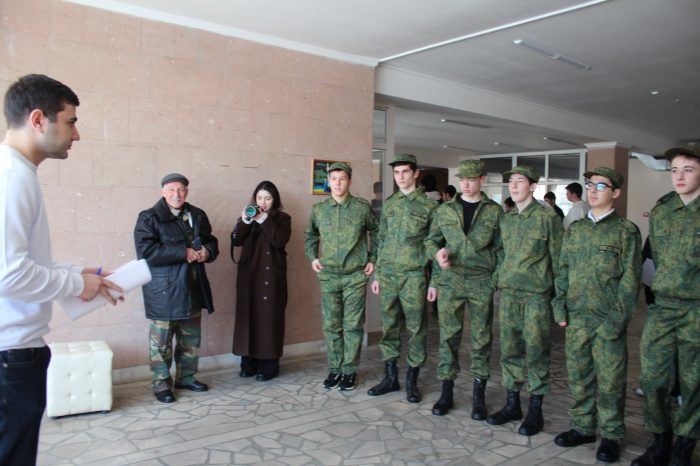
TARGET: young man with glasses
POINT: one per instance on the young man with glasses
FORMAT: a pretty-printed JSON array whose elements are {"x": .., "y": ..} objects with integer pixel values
[
  {"x": 596, "y": 293},
  {"x": 671, "y": 339}
]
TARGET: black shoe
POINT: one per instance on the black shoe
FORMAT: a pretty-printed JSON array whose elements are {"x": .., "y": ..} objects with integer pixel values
[
  {"x": 264, "y": 377},
  {"x": 510, "y": 412},
  {"x": 166, "y": 396},
  {"x": 347, "y": 382},
  {"x": 573, "y": 438},
  {"x": 195, "y": 386},
  {"x": 658, "y": 453},
  {"x": 390, "y": 382},
  {"x": 445, "y": 403},
  {"x": 245, "y": 373},
  {"x": 682, "y": 453},
  {"x": 331, "y": 381},
  {"x": 412, "y": 393},
  {"x": 608, "y": 451},
  {"x": 534, "y": 421},
  {"x": 478, "y": 402}
]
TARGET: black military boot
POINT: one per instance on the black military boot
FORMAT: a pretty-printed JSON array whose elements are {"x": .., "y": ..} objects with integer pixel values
[
  {"x": 510, "y": 412},
  {"x": 445, "y": 403},
  {"x": 412, "y": 393},
  {"x": 390, "y": 382},
  {"x": 478, "y": 403},
  {"x": 534, "y": 422},
  {"x": 682, "y": 453},
  {"x": 658, "y": 452}
]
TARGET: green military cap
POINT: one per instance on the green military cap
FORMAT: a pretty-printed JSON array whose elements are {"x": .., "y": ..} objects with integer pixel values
[
  {"x": 691, "y": 150},
  {"x": 340, "y": 166},
  {"x": 614, "y": 176},
  {"x": 529, "y": 172},
  {"x": 471, "y": 168},
  {"x": 403, "y": 158}
]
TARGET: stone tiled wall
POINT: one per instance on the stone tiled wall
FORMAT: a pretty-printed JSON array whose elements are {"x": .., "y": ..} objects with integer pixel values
[{"x": 157, "y": 98}]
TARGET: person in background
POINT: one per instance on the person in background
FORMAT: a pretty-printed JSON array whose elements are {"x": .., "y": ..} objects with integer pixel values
[
  {"x": 175, "y": 238},
  {"x": 337, "y": 245},
  {"x": 261, "y": 283},
  {"x": 430, "y": 187},
  {"x": 41, "y": 124},
  {"x": 508, "y": 204},
  {"x": 596, "y": 294},
  {"x": 449, "y": 193},
  {"x": 579, "y": 208},
  {"x": 670, "y": 345},
  {"x": 551, "y": 199}
]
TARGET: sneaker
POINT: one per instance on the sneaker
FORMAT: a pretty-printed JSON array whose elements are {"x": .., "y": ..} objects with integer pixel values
[
  {"x": 347, "y": 382},
  {"x": 331, "y": 381}
]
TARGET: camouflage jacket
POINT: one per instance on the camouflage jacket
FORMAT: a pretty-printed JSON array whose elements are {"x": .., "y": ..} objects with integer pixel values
[
  {"x": 599, "y": 273},
  {"x": 342, "y": 229},
  {"x": 473, "y": 254},
  {"x": 404, "y": 225},
  {"x": 531, "y": 245},
  {"x": 674, "y": 233}
]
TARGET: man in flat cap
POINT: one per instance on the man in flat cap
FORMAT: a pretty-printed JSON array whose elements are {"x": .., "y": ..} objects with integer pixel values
[
  {"x": 531, "y": 235},
  {"x": 175, "y": 238},
  {"x": 464, "y": 241},
  {"x": 671, "y": 339},
  {"x": 401, "y": 277},
  {"x": 337, "y": 244},
  {"x": 596, "y": 293}
]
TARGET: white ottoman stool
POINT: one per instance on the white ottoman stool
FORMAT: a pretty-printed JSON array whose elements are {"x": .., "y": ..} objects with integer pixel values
[{"x": 79, "y": 378}]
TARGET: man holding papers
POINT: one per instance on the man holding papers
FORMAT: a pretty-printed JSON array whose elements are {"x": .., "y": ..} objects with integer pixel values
[
  {"x": 175, "y": 238},
  {"x": 41, "y": 124}
]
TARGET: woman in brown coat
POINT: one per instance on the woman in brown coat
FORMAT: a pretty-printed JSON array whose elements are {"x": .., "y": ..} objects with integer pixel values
[{"x": 261, "y": 287}]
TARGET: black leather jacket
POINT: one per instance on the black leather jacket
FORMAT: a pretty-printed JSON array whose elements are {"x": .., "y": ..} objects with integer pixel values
[{"x": 161, "y": 239}]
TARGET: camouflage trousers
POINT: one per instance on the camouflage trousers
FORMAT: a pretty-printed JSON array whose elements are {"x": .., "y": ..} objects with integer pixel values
[
  {"x": 524, "y": 320},
  {"x": 343, "y": 307},
  {"x": 403, "y": 298},
  {"x": 188, "y": 335},
  {"x": 597, "y": 369},
  {"x": 671, "y": 349},
  {"x": 454, "y": 291}
]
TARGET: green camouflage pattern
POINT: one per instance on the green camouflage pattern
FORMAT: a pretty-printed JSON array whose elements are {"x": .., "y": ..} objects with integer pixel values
[
  {"x": 597, "y": 369},
  {"x": 401, "y": 272},
  {"x": 343, "y": 308},
  {"x": 524, "y": 320},
  {"x": 468, "y": 280},
  {"x": 531, "y": 245},
  {"x": 343, "y": 230},
  {"x": 188, "y": 336},
  {"x": 670, "y": 346},
  {"x": 596, "y": 293}
]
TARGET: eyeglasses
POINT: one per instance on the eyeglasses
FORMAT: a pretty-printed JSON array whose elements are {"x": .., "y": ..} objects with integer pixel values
[{"x": 600, "y": 187}]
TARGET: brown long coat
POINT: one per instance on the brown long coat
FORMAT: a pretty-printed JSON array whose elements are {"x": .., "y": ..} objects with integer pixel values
[{"x": 261, "y": 286}]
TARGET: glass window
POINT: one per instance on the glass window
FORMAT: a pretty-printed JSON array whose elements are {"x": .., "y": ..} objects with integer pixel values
[
  {"x": 495, "y": 167},
  {"x": 533, "y": 161},
  {"x": 379, "y": 127},
  {"x": 564, "y": 167}
]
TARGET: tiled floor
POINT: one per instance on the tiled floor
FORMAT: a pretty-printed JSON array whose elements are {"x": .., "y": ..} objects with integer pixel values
[{"x": 292, "y": 420}]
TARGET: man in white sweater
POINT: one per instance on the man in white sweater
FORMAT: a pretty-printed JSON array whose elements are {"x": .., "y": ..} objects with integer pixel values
[
  {"x": 579, "y": 209},
  {"x": 41, "y": 124}
]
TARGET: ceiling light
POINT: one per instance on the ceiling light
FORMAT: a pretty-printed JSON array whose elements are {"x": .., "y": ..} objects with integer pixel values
[
  {"x": 563, "y": 141},
  {"x": 553, "y": 55},
  {"x": 466, "y": 149},
  {"x": 458, "y": 122},
  {"x": 673, "y": 99}
]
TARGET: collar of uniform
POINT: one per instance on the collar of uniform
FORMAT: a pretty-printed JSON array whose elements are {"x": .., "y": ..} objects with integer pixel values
[
  {"x": 528, "y": 210},
  {"x": 677, "y": 203},
  {"x": 607, "y": 215},
  {"x": 345, "y": 203}
]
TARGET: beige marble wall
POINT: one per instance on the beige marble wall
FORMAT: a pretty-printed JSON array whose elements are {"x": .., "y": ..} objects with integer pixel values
[{"x": 157, "y": 98}]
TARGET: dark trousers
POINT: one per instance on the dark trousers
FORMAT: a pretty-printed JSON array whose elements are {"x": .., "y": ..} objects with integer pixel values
[
  {"x": 22, "y": 403},
  {"x": 260, "y": 366}
]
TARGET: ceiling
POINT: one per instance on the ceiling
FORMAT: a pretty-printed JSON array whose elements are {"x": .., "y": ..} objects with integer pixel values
[{"x": 513, "y": 94}]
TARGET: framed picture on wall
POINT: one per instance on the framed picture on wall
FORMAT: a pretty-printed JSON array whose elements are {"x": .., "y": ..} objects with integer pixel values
[{"x": 319, "y": 175}]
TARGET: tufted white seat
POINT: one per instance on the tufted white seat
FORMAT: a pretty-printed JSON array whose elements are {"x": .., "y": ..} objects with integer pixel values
[{"x": 79, "y": 378}]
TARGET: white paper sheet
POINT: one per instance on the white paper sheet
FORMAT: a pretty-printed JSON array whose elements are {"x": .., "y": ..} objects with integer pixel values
[{"x": 129, "y": 277}]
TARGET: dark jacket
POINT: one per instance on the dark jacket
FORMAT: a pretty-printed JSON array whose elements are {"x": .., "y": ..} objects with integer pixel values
[
  {"x": 161, "y": 239},
  {"x": 261, "y": 286}
]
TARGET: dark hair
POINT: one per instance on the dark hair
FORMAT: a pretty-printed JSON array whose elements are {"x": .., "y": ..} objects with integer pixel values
[
  {"x": 509, "y": 202},
  {"x": 411, "y": 165},
  {"x": 36, "y": 91},
  {"x": 575, "y": 188},
  {"x": 270, "y": 187},
  {"x": 687, "y": 155},
  {"x": 429, "y": 182},
  {"x": 550, "y": 195},
  {"x": 340, "y": 170},
  {"x": 451, "y": 190}
]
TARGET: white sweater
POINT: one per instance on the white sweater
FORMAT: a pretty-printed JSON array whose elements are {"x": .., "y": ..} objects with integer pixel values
[{"x": 29, "y": 279}]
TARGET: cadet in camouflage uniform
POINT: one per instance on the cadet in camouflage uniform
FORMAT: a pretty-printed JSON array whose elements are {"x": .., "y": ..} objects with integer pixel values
[
  {"x": 341, "y": 223},
  {"x": 464, "y": 239},
  {"x": 671, "y": 339},
  {"x": 531, "y": 235},
  {"x": 596, "y": 293},
  {"x": 401, "y": 280}
]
